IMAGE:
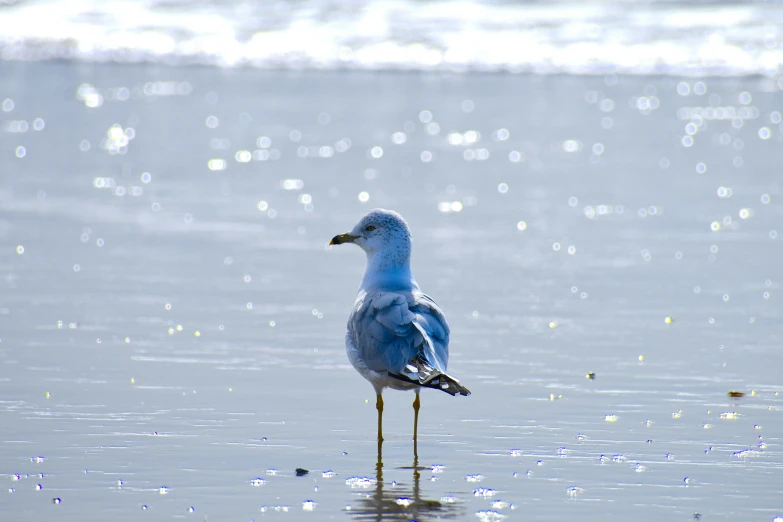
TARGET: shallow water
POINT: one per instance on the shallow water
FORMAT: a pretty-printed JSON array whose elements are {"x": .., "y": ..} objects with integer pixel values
[{"x": 170, "y": 314}]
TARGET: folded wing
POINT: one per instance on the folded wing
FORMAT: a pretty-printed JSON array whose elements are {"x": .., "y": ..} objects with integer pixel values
[{"x": 405, "y": 335}]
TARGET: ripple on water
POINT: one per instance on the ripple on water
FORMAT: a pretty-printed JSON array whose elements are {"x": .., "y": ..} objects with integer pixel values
[
  {"x": 360, "y": 482},
  {"x": 746, "y": 453},
  {"x": 489, "y": 515}
]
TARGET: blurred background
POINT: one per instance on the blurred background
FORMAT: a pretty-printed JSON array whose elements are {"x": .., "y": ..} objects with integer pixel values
[{"x": 594, "y": 194}]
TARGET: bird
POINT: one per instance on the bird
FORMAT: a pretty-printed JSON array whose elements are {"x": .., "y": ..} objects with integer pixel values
[{"x": 397, "y": 337}]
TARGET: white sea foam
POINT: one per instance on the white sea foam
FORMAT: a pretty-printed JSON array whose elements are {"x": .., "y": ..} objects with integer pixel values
[{"x": 593, "y": 37}]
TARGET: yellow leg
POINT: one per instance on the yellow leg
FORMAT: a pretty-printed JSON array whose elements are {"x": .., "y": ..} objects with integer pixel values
[
  {"x": 416, "y": 404},
  {"x": 379, "y": 407}
]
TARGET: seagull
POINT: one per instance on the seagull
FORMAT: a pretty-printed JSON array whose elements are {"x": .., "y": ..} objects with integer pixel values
[{"x": 397, "y": 337}]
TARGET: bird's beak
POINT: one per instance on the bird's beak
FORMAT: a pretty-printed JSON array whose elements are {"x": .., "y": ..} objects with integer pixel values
[{"x": 342, "y": 238}]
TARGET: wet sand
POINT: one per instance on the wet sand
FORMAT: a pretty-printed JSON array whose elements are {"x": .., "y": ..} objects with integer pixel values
[{"x": 170, "y": 322}]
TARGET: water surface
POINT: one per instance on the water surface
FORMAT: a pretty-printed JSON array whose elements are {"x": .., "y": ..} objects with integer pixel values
[{"x": 170, "y": 314}]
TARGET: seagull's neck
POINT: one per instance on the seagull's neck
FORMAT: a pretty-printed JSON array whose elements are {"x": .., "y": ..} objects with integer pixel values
[{"x": 388, "y": 271}]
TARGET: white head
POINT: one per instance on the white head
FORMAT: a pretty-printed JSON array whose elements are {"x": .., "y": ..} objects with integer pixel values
[{"x": 384, "y": 236}]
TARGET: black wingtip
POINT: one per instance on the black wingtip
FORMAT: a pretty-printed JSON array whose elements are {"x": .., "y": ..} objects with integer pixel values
[
  {"x": 451, "y": 386},
  {"x": 441, "y": 381}
]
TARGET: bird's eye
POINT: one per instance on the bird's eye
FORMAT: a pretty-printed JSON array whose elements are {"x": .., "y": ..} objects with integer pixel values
[{"x": 370, "y": 228}]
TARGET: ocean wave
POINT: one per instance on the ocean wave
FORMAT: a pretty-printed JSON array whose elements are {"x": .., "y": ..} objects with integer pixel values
[{"x": 632, "y": 37}]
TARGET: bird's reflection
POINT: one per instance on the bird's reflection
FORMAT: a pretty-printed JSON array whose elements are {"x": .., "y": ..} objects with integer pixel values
[{"x": 402, "y": 501}]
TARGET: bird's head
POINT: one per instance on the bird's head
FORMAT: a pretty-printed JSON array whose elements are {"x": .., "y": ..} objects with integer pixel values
[{"x": 380, "y": 230}]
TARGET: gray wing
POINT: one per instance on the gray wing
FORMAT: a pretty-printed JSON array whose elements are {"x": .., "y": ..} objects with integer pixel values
[{"x": 401, "y": 334}]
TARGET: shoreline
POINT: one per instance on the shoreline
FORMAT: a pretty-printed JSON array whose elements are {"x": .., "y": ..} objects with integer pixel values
[{"x": 441, "y": 72}]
